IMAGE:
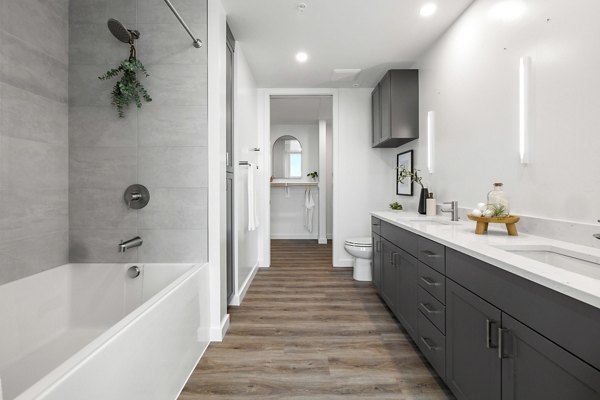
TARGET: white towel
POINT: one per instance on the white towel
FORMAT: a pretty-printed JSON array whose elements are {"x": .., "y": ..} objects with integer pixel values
[
  {"x": 309, "y": 203},
  {"x": 252, "y": 214}
]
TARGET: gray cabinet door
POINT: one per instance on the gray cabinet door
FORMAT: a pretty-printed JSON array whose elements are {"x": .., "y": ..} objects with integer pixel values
[
  {"x": 388, "y": 274},
  {"x": 385, "y": 90},
  {"x": 407, "y": 289},
  {"x": 377, "y": 259},
  {"x": 534, "y": 368},
  {"x": 473, "y": 369},
  {"x": 376, "y": 115}
]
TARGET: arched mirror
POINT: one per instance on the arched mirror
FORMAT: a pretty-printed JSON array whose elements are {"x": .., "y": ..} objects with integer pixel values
[{"x": 287, "y": 157}]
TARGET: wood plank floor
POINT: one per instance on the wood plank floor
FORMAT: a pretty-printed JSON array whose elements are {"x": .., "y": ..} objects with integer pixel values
[{"x": 307, "y": 330}]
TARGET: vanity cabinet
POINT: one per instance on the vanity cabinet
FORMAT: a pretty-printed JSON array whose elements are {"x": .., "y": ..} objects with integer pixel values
[
  {"x": 377, "y": 261},
  {"x": 488, "y": 333},
  {"x": 395, "y": 109}
]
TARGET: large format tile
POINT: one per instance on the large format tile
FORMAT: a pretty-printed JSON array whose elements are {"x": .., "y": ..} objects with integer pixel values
[
  {"x": 170, "y": 44},
  {"x": 37, "y": 23},
  {"x": 157, "y": 12},
  {"x": 24, "y": 66},
  {"x": 27, "y": 163},
  {"x": 173, "y": 167},
  {"x": 93, "y": 208},
  {"x": 100, "y": 126},
  {"x": 85, "y": 89},
  {"x": 177, "y": 85},
  {"x": 164, "y": 125},
  {"x": 28, "y": 116},
  {"x": 93, "y": 44},
  {"x": 28, "y": 211},
  {"x": 173, "y": 246},
  {"x": 175, "y": 209},
  {"x": 102, "y": 167},
  {"x": 31, "y": 255},
  {"x": 99, "y": 11},
  {"x": 100, "y": 245}
]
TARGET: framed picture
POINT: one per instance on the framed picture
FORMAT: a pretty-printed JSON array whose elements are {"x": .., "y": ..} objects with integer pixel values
[{"x": 404, "y": 160}]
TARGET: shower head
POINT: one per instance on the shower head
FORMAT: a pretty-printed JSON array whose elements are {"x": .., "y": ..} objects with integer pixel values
[{"x": 120, "y": 32}]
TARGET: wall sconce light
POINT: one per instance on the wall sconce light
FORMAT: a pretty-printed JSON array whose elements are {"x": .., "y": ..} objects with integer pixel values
[
  {"x": 524, "y": 105},
  {"x": 430, "y": 140}
]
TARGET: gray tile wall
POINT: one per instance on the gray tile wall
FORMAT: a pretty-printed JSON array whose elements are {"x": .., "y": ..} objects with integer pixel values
[
  {"x": 34, "y": 218},
  {"x": 162, "y": 146}
]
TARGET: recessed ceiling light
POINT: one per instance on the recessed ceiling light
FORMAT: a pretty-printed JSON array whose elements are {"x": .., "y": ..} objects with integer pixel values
[
  {"x": 301, "y": 56},
  {"x": 428, "y": 10}
]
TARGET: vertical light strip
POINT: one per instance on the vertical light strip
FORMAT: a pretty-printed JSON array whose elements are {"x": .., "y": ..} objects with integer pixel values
[
  {"x": 524, "y": 81},
  {"x": 430, "y": 140}
]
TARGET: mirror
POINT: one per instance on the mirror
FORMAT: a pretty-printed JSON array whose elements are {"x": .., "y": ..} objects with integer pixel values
[{"x": 287, "y": 157}]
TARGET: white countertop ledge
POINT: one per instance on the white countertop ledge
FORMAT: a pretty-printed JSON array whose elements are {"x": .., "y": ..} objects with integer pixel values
[{"x": 461, "y": 236}]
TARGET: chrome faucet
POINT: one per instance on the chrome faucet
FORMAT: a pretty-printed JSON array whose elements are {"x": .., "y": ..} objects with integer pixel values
[
  {"x": 597, "y": 235},
  {"x": 453, "y": 209},
  {"x": 129, "y": 244}
]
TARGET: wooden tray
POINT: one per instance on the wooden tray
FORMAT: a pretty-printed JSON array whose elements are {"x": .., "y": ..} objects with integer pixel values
[{"x": 483, "y": 222}]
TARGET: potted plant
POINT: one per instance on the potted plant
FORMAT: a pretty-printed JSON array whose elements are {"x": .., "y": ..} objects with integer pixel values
[
  {"x": 314, "y": 175},
  {"x": 413, "y": 175},
  {"x": 396, "y": 206}
]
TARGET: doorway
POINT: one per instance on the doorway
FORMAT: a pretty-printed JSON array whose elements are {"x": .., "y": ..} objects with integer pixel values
[{"x": 301, "y": 179}]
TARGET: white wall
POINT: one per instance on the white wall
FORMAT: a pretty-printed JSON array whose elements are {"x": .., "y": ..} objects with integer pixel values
[
  {"x": 470, "y": 78},
  {"x": 364, "y": 177},
  {"x": 245, "y": 138},
  {"x": 329, "y": 184}
]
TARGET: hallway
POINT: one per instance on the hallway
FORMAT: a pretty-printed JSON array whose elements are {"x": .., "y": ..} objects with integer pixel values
[{"x": 308, "y": 331}]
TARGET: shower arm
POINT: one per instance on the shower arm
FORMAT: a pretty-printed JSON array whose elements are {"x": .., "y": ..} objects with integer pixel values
[{"x": 197, "y": 42}]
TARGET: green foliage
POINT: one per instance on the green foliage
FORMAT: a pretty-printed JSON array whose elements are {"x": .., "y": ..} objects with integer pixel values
[
  {"x": 313, "y": 174},
  {"x": 498, "y": 210},
  {"x": 128, "y": 88},
  {"x": 404, "y": 173},
  {"x": 396, "y": 206}
]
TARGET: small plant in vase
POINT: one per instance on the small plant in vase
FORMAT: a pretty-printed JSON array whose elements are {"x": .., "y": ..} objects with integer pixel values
[
  {"x": 314, "y": 175},
  {"x": 396, "y": 206},
  {"x": 405, "y": 173}
]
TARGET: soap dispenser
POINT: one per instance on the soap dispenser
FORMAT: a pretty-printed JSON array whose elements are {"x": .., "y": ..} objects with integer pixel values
[{"x": 431, "y": 205}]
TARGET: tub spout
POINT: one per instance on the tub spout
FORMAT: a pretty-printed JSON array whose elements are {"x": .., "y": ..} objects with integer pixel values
[{"x": 131, "y": 243}]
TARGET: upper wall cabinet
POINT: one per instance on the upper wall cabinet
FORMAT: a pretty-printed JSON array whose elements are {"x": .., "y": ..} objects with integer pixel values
[{"x": 395, "y": 108}]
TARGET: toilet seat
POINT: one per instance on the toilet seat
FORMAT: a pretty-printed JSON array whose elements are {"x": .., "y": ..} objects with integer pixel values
[{"x": 359, "y": 242}]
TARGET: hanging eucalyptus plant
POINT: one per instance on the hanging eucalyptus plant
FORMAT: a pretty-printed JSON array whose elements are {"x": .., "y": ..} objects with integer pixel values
[{"x": 128, "y": 88}]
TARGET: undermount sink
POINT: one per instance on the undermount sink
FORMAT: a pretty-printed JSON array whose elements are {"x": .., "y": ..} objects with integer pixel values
[{"x": 574, "y": 261}]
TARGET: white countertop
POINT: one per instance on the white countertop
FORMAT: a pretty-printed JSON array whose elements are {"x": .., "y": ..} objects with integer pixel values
[{"x": 460, "y": 236}]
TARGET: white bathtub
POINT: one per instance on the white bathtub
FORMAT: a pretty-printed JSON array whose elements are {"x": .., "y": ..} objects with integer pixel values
[{"x": 88, "y": 331}]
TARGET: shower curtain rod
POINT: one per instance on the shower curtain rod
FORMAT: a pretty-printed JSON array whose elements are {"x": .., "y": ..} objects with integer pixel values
[{"x": 197, "y": 42}]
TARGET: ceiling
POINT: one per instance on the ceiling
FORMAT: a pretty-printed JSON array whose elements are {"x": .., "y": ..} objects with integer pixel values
[
  {"x": 371, "y": 35},
  {"x": 294, "y": 110}
]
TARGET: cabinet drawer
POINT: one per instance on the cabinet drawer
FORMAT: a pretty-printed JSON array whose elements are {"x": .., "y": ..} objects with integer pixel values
[
  {"x": 404, "y": 239},
  {"x": 433, "y": 282},
  {"x": 376, "y": 225},
  {"x": 433, "y": 345},
  {"x": 432, "y": 309},
  {"x": 432, "y": 254}
]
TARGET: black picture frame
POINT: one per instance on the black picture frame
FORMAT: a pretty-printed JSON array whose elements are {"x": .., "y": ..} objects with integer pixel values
[{"x": 406, "y": 159}]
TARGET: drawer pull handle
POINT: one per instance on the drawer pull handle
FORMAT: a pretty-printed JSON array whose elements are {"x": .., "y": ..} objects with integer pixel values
[
  {"x": 429, "y": 310},
  {"x": 430, "y": 254},
  {"x": 429, "y": 281},
  {"x": 393, "y": 258},
  {"x": 430, "y": 347},
  {"x": 488, "y": 334},
  {"x": 501, "y": 333}
]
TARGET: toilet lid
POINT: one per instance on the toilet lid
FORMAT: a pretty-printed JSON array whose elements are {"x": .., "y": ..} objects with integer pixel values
[{"x": 359, "y": 242}]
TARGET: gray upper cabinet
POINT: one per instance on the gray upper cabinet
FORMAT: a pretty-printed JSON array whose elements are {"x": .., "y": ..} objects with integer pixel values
[{"x": 395, "y": 108}]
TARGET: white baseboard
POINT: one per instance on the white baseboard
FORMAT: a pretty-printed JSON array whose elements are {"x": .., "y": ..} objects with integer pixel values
[
  {"x": 295, "y": 236},
  {"x": 343, "y": 263},
  {"x": 322, "y": 240},
  {"x": 218, "y": 333},
  {"x": 238, "y": 297}
]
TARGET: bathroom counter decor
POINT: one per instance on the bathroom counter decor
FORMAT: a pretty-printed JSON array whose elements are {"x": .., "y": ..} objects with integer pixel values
[{"x": 482, "y": 223}]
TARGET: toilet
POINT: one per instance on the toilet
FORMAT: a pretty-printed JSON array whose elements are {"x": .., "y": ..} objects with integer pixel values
[{"x": 362, "y": 250}]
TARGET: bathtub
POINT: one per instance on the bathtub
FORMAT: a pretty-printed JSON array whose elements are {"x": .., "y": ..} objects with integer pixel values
[{"x": 89, "y": 331}]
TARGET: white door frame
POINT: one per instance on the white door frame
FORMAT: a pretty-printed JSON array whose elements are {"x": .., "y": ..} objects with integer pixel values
[{"x": 264, "y": 125}]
